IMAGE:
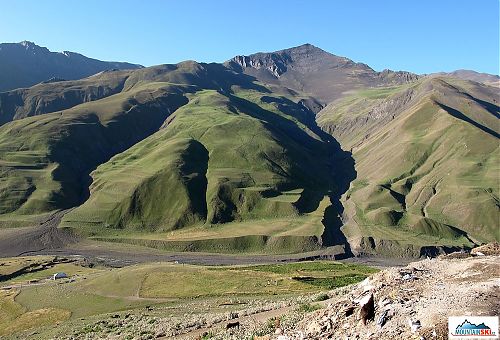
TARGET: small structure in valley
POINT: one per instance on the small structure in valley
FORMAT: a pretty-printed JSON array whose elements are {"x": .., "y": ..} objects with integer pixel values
[{"x": 59, "y": 275}]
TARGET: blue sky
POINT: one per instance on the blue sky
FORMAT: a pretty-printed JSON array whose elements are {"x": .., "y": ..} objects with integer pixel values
[{"x": 422, "y": 36}]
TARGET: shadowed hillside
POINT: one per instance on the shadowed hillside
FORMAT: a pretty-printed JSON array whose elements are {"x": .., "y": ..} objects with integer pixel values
[
  {"x": 169, "y": 147},
  {"x": 25, "y": 64}
]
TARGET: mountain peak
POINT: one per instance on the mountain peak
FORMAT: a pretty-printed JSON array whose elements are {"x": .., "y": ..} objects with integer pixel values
[
  {"x": 278, "y": 62},
  {"x": 27, "y": 43},
  {"x": 298, "y": 52},
  {"x": 304, "y": 47},
  {"x": 31, "y": 46}
]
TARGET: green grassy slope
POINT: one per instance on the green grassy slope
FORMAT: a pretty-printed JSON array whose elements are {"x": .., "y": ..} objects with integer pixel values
[
  {"x": 221, "y": 158},
  {"x": 426, "y": 160},
  {"x": 187, "y": 145},
  {"x": 198, "y": 157},
  {"x": 59, "y": 95},
  {"x": 45, "y": 160},
  {"x": 54, "y": 309}
]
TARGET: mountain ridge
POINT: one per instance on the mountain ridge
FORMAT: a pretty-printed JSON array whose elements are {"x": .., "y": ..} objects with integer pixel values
[
  {"x": 307, "y": 68},
  {"x": 251, "y": 156},
  {"x": 26, "y": 64},
  {"x": 481, "y": 77}
]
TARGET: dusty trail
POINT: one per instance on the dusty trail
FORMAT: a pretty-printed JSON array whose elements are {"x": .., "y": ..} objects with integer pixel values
[
  {"x": 254, "y": 319},
  {"x": 246, "y": 321}
]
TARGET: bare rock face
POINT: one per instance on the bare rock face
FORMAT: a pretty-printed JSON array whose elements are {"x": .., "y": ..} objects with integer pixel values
[
  {"x": 302, "y": 58},
  {"x": 314, "y": 328},
  {"x": 272, "y": 62},
  {"x": 309, "y": 69},
  {"x": 397, "y": 77},
  {"x": 492, "y": 248}
]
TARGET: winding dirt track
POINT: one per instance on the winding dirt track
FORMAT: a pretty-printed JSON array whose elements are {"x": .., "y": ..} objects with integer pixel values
[{"x": 245, "y": 320}]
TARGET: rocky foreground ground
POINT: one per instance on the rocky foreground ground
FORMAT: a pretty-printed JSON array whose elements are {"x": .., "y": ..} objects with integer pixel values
[{"x": 412, "y": 302}]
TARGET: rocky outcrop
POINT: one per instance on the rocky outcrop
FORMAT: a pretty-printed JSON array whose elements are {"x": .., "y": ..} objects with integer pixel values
[
  {"x": 274, "y": 63},
  {"x": 309, "y": 69},
  {"x": 406, "y": 303},
  {"x": 397, "y": 77},
  {"x": 301, "y": 58}
]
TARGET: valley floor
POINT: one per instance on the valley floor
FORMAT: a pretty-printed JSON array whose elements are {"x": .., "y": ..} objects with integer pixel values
[
  {"x": 153, "y": 299},
  {"x": 117, "y": 290},
  {"x": 295, "y": 300}
]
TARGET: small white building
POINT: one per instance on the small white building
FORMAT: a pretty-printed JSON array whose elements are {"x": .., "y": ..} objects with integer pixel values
[{"x": 59, "y": 275}]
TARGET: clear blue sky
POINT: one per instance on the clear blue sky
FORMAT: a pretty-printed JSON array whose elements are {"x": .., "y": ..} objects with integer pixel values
[{"x": 422, "y": 36}]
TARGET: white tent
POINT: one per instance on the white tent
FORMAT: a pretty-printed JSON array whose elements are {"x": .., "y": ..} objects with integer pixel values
[{"x": 60, "y": 275}]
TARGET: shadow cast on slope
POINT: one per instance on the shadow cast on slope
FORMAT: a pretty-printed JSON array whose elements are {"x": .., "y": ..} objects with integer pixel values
[
  {"x": 333, "y": 218},
  {"x": 338, "y": 171},
  {"x": 93, "y": 144},
  {"x": 490, "y": 107},
  {"x": 459, "y": 115},
  {"x": 221, "y": 78},
  {"x": 87, "y": 143},
  {"x": 342, "y": 168}
]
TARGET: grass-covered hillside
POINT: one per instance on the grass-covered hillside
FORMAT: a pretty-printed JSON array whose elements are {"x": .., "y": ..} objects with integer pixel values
[
  {"x": 177, "y": 146},
  {"x": 219, "y": 159},
  {"x": 426, "y": 160}
]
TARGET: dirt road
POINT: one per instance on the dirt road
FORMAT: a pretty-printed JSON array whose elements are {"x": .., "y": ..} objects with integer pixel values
[{"x": 246, "y": 321}]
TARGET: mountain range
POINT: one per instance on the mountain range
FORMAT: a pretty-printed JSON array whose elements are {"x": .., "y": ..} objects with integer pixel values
[
  {"x": 280, "y": 152},
  {"x": 25, "y": 64}
]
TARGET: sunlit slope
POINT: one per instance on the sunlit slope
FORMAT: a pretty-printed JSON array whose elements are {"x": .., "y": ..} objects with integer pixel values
[
  {"x": 200, "y": 157},
  {"x": 220, "y": 158},
  {"x": 178, "y": 146},
  {"x": 45, "y": 160},
  {"x": 46, "y": 157},
  {"x": 59, "y": 95},
  {"x": 426, "y": 160}
]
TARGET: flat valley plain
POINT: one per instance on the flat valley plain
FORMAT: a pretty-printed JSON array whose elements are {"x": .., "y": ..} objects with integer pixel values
[{"x": 31, "y": 301}]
